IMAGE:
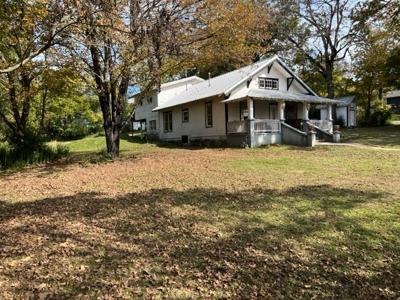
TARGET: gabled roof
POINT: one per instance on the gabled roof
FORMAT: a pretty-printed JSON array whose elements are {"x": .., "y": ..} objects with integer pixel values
[
  {"x": 213, "y": 87},
  {"x": 269, "y": 62},
  {"x": 346, "y": 100},
  {"x": 224, "y": 84},
  {"x": 180, "y": 81},
  {"x": 393, "y": 94}
]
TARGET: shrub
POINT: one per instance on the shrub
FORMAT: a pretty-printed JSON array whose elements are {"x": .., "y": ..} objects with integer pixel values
[
  {"x": 72, "y": 128},
  {"x": 380, "y": 115},
  {"x": 12, "y": 156}
]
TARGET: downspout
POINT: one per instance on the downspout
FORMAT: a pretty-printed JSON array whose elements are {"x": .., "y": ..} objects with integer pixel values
[{"x": 226, "y": 119}]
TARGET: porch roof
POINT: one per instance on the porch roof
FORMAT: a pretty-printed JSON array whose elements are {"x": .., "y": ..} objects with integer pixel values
[{"x": 262, "y": 94}]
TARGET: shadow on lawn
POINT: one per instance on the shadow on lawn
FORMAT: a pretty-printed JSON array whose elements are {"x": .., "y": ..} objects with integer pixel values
[{"x": 298, "y": 243}]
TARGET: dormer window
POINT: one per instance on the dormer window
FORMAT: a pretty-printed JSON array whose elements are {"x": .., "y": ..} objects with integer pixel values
[{"x": 268, "y": 83}]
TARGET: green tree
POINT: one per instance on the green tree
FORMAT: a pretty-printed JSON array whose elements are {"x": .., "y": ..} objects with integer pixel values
[
  {"x": 65, "y": 107},
  {"x": 321, "y": 32},
  {"x": 370, "y": 67},
  {"x": 29, "y": 29},
  {"x": 233, "y": 32}
]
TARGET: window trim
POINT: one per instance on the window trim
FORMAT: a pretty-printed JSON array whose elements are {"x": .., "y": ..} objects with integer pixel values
[
  {"x": 182, "y": 113},
  {"x": 206, "y": 114},
  {"x": 169, "y": 119},
  {"x": 265, "y": 79}
]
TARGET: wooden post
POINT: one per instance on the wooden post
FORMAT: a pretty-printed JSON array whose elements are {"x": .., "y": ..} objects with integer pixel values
[
  {"x": 281, "y": 110},
  {"x": 250, "y": 108},
  {"x": 329, "y": 112},
  {"x": 306, "y": 108}
]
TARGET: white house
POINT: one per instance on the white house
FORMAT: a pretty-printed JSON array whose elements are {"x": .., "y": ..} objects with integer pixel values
[
  {"x": 264, "y": 103},
  {"x": 345, "y": 110},
  {"x": 393, "y": 99}
]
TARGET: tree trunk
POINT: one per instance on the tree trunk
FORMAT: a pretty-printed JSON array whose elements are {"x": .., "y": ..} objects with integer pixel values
[
  {"x": 380, "y": 93},
  {"x": 108, "y": 124},
  {"x": 330, "y": 87},
  {"x": 18, "y": 130},
  {"x": 111, "y": 129},
  {"x": 43, "y": 109},
  {"x": 368, "y": 108}
]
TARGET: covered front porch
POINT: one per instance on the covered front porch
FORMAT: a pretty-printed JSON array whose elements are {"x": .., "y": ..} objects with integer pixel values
[{"x": 255, "y": 122}]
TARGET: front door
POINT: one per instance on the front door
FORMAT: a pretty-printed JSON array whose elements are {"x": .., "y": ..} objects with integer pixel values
[
  {"x": 273, "y": 111},
  {"x": 291, "y": 114}
]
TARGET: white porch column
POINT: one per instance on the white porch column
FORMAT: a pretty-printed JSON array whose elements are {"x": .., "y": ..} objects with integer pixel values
[
  {"x": 281, "y": 110},
  {"x": 306, "y": 108},
  {"x": 329, "y": 112},
  {"x": 250, "y": 108}
]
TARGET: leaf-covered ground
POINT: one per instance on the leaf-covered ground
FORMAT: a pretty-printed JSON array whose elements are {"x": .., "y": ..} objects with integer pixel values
[{"x": 277, "y": 222}]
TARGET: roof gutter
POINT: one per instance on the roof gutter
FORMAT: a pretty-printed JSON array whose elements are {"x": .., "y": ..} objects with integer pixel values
[{"x": 190, "y": 101}]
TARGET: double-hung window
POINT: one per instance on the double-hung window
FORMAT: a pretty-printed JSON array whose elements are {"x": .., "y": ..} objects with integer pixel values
[
  {"x": 268, "y": 83},
  {"x": 185, "y": 115},
  {"x": 167, "y": 118},
  {"x": 209, "y": 114}
]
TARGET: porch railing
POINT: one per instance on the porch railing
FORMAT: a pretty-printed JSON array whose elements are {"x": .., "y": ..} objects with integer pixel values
[
  {"x": 322, "y": 124},
  {"x": 259, "y": 126},
  {"x": 267, "y": 125}
]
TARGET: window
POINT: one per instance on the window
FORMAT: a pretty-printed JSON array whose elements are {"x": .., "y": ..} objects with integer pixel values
[
  {"x": 268, "y": 83},
  {"x": 150, "y": 100},
  {"x": 140, "y": 102},
  {"x": 209, "y": 115},
  {"x": 167, "y": 117},
  {"x": 185, "y": 115},
  {"x": 244, "y": 112},
  {"x": 153, "y": 125}
]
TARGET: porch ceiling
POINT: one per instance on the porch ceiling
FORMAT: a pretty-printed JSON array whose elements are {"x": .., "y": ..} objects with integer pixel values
[{"x": 273, "y": 95}]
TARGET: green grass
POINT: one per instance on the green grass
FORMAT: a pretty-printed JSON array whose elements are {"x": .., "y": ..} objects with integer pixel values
[
  {"x": 12, "y": 158},
  {"x": 395, "y": 117},
  {"x": 387, "y": 136},
  {"x": 97, "y": 143}
]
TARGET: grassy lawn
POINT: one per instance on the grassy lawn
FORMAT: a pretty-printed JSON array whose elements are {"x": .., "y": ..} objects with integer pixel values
[
  {"x": 388, "y": 136},
  {"x": 96, "y": 144},
  {"x": 276, "y": 222}
]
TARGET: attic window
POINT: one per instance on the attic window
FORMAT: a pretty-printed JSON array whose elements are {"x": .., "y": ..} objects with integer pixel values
[{"x": 268, "y": 83}]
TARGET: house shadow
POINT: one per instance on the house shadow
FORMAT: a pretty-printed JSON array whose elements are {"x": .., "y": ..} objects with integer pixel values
[{"x": 201, "y": 243}]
